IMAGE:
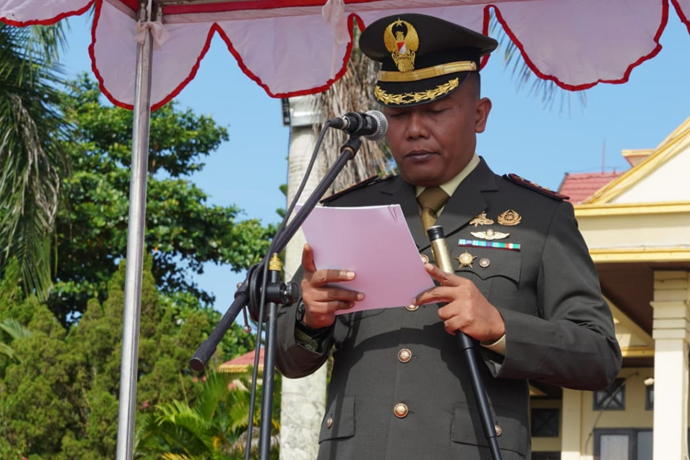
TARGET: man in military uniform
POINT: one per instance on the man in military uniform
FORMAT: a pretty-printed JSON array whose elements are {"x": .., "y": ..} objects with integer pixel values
[{"x": 524, "y": 285}]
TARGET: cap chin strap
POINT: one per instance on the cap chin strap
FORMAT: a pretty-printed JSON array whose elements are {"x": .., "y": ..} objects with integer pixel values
[{"x": 429, "y": 72}]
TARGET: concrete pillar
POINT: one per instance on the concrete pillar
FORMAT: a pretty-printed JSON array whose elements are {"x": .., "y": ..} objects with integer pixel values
[
  {"x": 303, "y": 401},
  {"x": 671, "y": 333},
  {"x": 571, "y": 426}
]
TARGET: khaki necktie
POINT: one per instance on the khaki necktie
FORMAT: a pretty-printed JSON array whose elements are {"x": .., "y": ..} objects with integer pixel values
[{"x": 431, "y": 200}]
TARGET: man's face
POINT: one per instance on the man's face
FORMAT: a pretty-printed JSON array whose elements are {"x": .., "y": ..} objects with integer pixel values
[{"x": 432, "y": 142}]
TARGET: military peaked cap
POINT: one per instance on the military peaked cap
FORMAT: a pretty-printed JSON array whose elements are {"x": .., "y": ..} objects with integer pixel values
[{"x": 423, "y": 58}]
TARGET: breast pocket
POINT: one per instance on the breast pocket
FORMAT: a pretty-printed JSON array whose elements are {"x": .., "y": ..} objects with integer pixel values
[
  {"x": 339, "y": 420},
  {"x": 512, "y": 434},
  {"x": 496, "y": 272},
  {"x": 351, "y": 318}
]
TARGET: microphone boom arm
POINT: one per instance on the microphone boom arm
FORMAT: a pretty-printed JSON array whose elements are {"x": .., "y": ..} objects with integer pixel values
[{"x": 242, "y": 295}]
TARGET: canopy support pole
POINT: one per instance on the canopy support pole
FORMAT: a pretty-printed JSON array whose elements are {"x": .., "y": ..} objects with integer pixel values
[{"x": 135, "y": 242}]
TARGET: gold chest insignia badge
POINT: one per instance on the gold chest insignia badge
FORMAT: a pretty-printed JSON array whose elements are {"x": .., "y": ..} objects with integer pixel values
[
  {"x": 481, "y": 219},
  {"x": 402, "y": 42},
  {"x": 509, "y": 218},
  {"x": 490, "y": 235},
  {"x": 466, "y": 259}
]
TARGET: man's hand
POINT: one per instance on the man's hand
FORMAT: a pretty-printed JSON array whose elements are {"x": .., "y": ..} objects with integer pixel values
[
  {"x": 321, "y": 301},
  {"x": 466, "y": 308}
]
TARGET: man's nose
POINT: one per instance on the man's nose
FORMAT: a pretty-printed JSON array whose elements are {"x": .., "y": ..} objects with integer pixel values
[{"x": 418, "y": 126}]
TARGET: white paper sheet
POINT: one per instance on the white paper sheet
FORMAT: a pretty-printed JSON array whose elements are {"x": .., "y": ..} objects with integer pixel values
[{"x": 376, "y": 244}]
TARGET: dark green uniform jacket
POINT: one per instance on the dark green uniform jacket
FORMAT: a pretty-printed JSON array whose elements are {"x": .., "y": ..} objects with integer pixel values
[{"x": 558, "y": 330}]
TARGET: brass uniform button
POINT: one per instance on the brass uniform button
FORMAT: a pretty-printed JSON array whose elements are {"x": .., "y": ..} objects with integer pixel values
[
  {"x": 400, "y": 410},
  {"x": 499, "y": 430},
  {"x": 404, "y": 355},
  {"x": 329, "y": 422},
  {"x": 484, "y": 262},
  {"x": 412, "y": 307},
  {"x": 425, "y": 258}
]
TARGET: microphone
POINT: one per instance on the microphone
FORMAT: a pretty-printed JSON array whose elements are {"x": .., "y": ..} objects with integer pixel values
[
  {"x": 439, "y": 250},
  {"x": 372, "y": 124}
]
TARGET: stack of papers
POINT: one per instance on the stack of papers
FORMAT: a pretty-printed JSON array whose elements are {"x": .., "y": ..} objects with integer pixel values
[{"x": 376, "y": 244}]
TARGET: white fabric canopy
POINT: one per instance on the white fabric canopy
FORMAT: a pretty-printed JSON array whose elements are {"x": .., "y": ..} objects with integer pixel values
[{"x": 296, "y": 47}]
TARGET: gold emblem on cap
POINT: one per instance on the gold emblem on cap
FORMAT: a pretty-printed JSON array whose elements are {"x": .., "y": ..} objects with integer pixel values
[
  {"x": 481, "y": 219},
  {"x": 509, "y": 218},
  {"x": 466, "y": 259},
  {"x": 490, "y": 234},
  {"x": 402, "y": 43}
]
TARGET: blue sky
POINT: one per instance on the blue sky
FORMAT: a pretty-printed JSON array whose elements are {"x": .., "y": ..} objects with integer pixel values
[{"x": 522, "y": 137}]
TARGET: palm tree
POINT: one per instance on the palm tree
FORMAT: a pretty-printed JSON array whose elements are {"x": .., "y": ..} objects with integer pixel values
[
  {"x": 214, "y": 428},
  {"x": 31, "y": 161}
]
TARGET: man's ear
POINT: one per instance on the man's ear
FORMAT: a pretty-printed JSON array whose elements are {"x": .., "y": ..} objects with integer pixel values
[{"x": 481, "y": 114}]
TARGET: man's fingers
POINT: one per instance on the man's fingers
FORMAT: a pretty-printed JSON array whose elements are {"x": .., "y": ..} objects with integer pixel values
[
  {"x": 308, "y": 259},
  {"x": 334, "y": 293},
  {"x": 435, "y": 295},
  {"x": 334, "y": 305},
  {"x": 446, "y": 279},
  {"x": 325, "y": 276}
]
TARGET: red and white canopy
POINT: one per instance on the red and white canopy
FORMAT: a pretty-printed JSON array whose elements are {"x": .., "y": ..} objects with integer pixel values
[{"x": 296, "y": 47}]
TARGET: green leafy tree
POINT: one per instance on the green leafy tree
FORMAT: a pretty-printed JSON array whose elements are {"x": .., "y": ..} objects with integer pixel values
[
  {"x": 182, "y": 231},
  {"x": 39, "y": 394},
  {"x": 31, "y": 156},
  {"x": 59, "y": 397},
  {"x": 214, "y": 428},
  {"x": 59, "y": 389}
]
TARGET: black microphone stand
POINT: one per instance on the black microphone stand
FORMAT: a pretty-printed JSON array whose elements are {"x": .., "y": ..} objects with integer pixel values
[
  {"x": 466, "y": 343},
  {"x": 250, "y": 291}
]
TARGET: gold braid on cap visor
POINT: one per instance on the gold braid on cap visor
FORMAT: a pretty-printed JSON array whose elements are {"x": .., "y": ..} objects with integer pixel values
[
  {"x": 429, "y": 72},
  {"x": 420, "y": 96}
]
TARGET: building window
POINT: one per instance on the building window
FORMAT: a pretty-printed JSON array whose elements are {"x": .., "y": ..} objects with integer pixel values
[
  {"x": 649, "y": 399},
  {"x": 545, "y": 423},
  {"x": 612, "y": 398},
  {"x": 623, "y": 444},
  {"x": 546, "y": 456}
]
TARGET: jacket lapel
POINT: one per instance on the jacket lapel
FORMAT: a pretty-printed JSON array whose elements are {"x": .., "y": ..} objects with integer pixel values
[
  {"x": 403, "y": 194},
  {"x": 466, "y": 203}
]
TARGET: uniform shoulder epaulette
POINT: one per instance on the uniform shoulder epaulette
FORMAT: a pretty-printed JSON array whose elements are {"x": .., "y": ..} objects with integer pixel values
[
  {"x": 365, "y": 183},
  {"x": 514, "y": 178}
]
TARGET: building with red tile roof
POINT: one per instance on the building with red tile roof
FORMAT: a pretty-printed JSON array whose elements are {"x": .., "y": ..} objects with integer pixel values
[
  {"x": 243, "y": 363},
  {"x": 580, "y": 186}
]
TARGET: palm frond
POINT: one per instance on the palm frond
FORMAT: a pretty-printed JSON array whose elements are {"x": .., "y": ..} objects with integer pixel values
[
  {"x": 353, "y": 92},
  {"x": 31, "y": 158},
  {"x": 14, "y": 329},
  {"x": 6, "y": 350},
  {"x": 525, "y": 79}
]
